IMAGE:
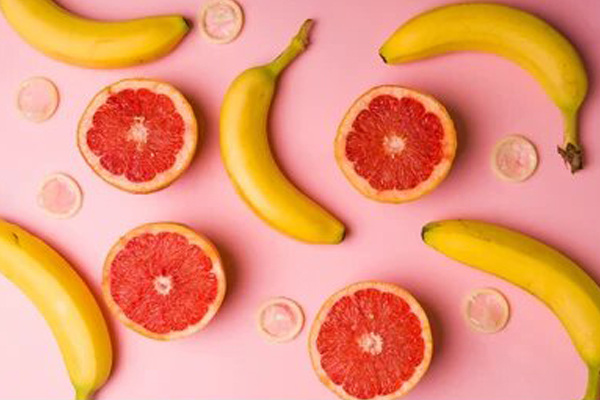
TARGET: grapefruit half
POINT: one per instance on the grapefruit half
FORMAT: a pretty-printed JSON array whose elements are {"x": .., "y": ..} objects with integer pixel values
[
  {"x": 395, "y": 144},
  {"x": 139, "y": 135},
  {"x": 164, "y": 280},
  {"x": 370, "y": 340}
]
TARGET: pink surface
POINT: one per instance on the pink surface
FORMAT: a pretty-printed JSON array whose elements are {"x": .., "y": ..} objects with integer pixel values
[{"x": 488, "y": 97}]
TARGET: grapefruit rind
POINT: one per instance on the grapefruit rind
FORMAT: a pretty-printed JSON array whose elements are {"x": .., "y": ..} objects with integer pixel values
[
  {"x": 526, "y": 145},
  {"x": 296, "y": 309},
  {"x": 73, "y": 187},
  {"x": 440, "y": 171},
  {"x": 415, "y": 308},
  {"x": 500, "y": 300},
  {"x": 194, "y": 238},
  {"x": 238, "y": 15},
  {"x": 184, "y": 157}
]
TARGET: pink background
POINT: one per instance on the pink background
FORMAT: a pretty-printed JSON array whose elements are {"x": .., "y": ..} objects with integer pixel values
[{"x": 488, "y": 97}]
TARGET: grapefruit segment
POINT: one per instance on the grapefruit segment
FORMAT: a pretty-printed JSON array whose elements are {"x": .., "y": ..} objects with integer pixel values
[
  {"x": 370, "y": 340},
  {"x": 37, "y": 99},
  {"x": 139, "y": 135},
  {"x": 395, "y": 144},
  {"x": 486, "y": 310},
  {"x": 164, "y": 280},
  {"x": 514, "y": 158},
  {"x": 280, "y": 319}
]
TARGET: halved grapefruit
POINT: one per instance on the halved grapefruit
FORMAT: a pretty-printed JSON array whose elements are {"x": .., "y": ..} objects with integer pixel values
[
  {"x": 370, "y": 340},
  {"x": 395, "y": 144},
  {"x": 164, "y": 280},
  {"x": 139, "y": 135}
]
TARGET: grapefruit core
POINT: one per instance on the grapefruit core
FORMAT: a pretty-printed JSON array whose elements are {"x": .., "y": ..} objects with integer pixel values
[
  {"x": 370, "y": 340},
  {"x": 395, "y": 144},
  {"x": 164, "y": 280},
  {"x": 139, "y": 135}
]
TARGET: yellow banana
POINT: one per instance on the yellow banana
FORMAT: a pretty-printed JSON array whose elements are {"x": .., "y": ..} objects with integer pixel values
[
  {"x": 517, "y": 35},
  {"x": 249, "y": 161},
  {"x": 65, "y": 302},
  {"x": 88, "y": 43},
  {"x": 541, "y": 270}
]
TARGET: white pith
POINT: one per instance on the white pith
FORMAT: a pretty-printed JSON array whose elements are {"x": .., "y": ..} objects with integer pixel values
[
  {"x": 163, "y": 285},
  {"x": 138, "y": 132},
  {"x": 371, "y": 343},
  {"x": 394, "y": 144}
]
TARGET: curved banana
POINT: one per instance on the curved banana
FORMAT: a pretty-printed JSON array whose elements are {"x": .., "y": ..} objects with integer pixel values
[
  {"x": 65, "y": 302},
  {"x": 517, "y": 35},
  {"x": 88, "y": 43},
  {"x": 249, "y": 161},
  {"x": 541, "y": 270}
]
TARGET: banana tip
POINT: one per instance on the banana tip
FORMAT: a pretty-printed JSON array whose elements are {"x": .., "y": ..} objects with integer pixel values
[
  {"x": 383, "y": 57},
  {"x": 424, "y": 231}
]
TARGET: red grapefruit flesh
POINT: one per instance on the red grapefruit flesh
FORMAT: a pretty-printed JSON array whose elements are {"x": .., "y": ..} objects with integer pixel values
[
  {"x": 514, "y": 159},
  {"x": 280, "y": 319},
  {"x": 486, "y": 310},
  {"x": 37, "y": 99},
  {"x": 139, "y": 135},
  {"x": 164, "y": 280},
  {"x": 395, "y": 144},
  {"x": 221, "y": 21},
  {"x": 370, "y": 340},
  {"x": 60, "y": 196}
]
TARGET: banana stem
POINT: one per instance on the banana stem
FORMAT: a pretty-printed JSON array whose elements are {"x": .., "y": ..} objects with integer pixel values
[
  {"x": 82, "y": 394},
  {"x": 571, "y": 152},
  {"x": 295, "y": 48},
  {"x": 591, "y": 392}
]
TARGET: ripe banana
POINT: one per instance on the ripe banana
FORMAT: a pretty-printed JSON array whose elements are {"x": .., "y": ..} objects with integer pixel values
[
  {"x": 519, "y": 36},
  {"x": 541, "y": 270},
  {"x": 65, "y": 302},
  {"x": 88, "y": 43},
  {"x": 249, "y": 161}
]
